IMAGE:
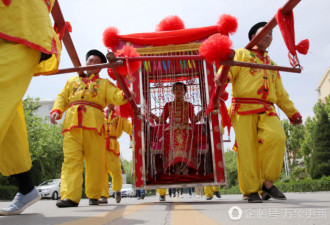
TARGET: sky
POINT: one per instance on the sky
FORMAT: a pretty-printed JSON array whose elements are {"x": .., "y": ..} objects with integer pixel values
[{"x": 90, "y": 18}]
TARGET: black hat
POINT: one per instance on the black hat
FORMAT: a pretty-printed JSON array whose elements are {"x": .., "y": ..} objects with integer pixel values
[
  {"x": 255, "y": 28},
  {"x": 97, "y": 53}
]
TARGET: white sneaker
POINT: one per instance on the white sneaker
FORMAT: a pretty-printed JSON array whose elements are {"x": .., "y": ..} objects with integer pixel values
[{"x": 21, "y": 202}]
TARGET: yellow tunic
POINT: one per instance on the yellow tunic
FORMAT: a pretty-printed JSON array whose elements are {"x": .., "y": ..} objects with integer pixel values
[
  {"x": 115, "y": 126},
  {"x": 93, "y": 89},
  {"x": 27, "y": 22},
  {"x": 25, "y": 32},
  {"x": 258, "y": 84}
]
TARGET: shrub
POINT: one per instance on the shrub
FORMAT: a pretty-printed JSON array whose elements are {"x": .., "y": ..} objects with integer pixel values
[{"x": 8, "y": 192}]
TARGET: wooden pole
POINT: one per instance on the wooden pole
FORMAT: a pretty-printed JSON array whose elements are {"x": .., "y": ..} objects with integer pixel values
[
  {"x": 60, "y": 23},
  {"x": 220, "y": 82},
  {"x": 123, "y": 86},
  {"x": 93, "y": 67},
  {"x": 120, "y": 61}
]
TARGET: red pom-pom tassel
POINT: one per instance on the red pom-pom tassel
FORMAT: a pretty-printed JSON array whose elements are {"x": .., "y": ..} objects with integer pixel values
[
  {"x": 128, "y": 51},
  {"x": 110, "y": 38},
  {"x": 216, "y": 48},
  {"x": 170, "y": 23},
  {"x": 227, "y": 24}
]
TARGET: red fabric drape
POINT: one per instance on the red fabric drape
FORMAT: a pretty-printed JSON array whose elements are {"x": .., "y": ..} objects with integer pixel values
[
  {"x": 286, "y": 25},
  {"x": 170, "y": 37}
]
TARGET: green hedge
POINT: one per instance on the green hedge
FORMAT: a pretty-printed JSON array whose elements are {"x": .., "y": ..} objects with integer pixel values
[
  {"x": 8, "y": 192},
  {"x": 307, "y": 185}
]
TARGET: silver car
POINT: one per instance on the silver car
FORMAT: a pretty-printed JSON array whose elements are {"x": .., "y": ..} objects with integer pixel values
[
  {"x": 50, "y": 189},
  {"x": 127, "y": 190}
]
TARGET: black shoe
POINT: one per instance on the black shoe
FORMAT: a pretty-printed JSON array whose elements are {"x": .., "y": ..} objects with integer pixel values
[
  {"x": 103, "y": 200},
  {"x": 265, "y": 196},
  {"x": 272, "y": 192},
  {"x": 209, "y": 198},
  {"x": 217, "y": 193},
  {"x": 93, "y": 201},
  {"x": 118, "y": 196},
  {"x": 254, "y": 198},
  {"x": 162, "y": 198},
  {"x": 142, "y": 196},
  {"x": 66, "y": 203}
]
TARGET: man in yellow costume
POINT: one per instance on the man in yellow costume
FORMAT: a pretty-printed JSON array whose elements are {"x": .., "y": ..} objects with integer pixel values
[
  {"x": 114, "y": 127},
  {"x": 210, "y": 191},
  {"x": 84, "y": 99},
  {"x": 259, "y": 133},
  {"x": 23, "y": 53}
]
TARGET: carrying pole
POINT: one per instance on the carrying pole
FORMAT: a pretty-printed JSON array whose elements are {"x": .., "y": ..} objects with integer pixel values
[{"x": 60, "y": 23}]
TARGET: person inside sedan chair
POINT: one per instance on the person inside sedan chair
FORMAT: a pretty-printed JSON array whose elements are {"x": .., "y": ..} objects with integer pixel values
[
  {"x": 115, "y": 125},
  {"x": 84, "y": 99},
  {"x": 23, "y": 53},
  {"x": 259, "y": 134}
]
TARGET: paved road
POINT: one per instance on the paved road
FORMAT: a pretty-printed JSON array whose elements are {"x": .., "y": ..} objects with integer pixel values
[{"x": 300, "y": 208}]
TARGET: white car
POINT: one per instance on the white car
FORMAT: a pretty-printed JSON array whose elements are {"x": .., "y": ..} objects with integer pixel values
[
  {"x": 127, "y": 190},
  {"x": 50, "y": 189},
  {"x": 111, "y": 192}
]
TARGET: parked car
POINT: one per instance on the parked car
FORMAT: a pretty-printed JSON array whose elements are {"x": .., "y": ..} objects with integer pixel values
[
  {"x": 50, "y": 189},
  {"x": 127, "y": 190}
]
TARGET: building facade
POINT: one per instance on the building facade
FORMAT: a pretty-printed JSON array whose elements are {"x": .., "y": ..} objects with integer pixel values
[{"x": 324, "y": 86}]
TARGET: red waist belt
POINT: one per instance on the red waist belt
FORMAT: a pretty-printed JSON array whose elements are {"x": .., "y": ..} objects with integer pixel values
[
  {"x": 238, "y": 101},
  {"x": 251, "y": 101},
  {"x": 81, "y": 102},
  {"x": 82, "y": 109}
]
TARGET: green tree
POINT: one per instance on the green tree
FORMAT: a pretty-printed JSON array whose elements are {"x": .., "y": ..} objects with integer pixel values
[
  {"x": 320, "y": 106},
  {"x": 295, "y": 136},
  {"x": 128, "y": 168},
  {"x": 231, "y": 167},
  {"x": 307, "y": 143},
  {"x": 45, "y": 140},
  {"x": 320, "y": 159}
]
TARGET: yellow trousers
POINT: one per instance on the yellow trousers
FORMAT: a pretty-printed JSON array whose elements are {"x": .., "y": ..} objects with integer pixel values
[
  {"x": 80, "y": 144},
  {"x": 17, "y": 66},
  {"x": 260, "y": 150},
  {"x": 162, "y": 191},
  {"x": 113, "y": 167},
  {"x": 209, "y": 190}
]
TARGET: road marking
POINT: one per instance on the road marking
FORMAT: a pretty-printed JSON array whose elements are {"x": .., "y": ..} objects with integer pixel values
[
  {"x": 103, "y": 218},
  {"x": 182, "y": 213}
]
